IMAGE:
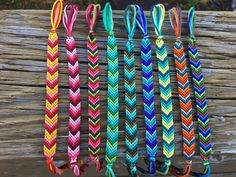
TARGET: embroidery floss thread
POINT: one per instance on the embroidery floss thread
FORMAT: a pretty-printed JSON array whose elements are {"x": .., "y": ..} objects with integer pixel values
[
  {"x": 175, "y": 15},
  {"x": 51, "y": 110},
  {"x": 131, "y": 140},
  {"x": 113, "y": 92},
  {"x": 92, "y": 13},
  {"x": 158, "y": 15},
  {"x": 148, "y": 91},
  {"x": 200, "y": 99},
  {"x": 74, "y": 88}
]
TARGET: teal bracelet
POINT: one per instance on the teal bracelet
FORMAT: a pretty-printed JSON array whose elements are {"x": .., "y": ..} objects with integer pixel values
[
  {"x": 131, "y": 140},
  {"x": 113, "y": 93}
]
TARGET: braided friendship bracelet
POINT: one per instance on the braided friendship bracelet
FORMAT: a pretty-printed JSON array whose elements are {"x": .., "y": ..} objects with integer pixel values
[
  {"x": 51, "y": 110},
  {"x": 131, "y": 140},
  {"x": 74, "y": 88},
  {"x": 200, "y": 99},
  {"x": 158, "y": 15},
  {"x": 175, "y": 15},
  {"x": 133, "y": 14},
  {"x": 92, "y": 13},
  {"x": 113, "y": 91},
  {"x": 148, "y": 92}
]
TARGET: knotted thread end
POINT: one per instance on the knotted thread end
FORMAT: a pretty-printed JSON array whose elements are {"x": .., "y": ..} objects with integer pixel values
[
  {"x": 74, "y": 167},
  {"x": 207, "y": 165},
  {"x": 165, "y": 167},
  {"x": 97, "y": 162},
  {"x": 110, "y": 171},
  {"x": 132, "y": 169},
  {"x": 207, "y": 170},
  {"x": 152, "y": 165}
]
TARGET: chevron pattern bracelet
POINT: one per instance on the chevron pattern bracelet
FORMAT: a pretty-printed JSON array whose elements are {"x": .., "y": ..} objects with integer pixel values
[
  {"x": 148, "y": 92},
  {"x": 131, "y": 140},
  {"x": 113, "y": 93},
  {"x": 51, "y": 110},
  {"x": 74, "y": 88},
  {"x": 92, "y": 13},
  {"x": 204, "y": 131},
  {"x": 175, "y": 15},
  {"x": 158, "y": 15}
]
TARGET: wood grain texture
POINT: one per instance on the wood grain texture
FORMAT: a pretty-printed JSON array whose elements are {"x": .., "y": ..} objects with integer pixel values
[{"x": 23, "y": 44}]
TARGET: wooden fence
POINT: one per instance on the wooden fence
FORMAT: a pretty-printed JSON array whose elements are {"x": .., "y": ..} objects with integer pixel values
[{"x": 23, "y": 42}]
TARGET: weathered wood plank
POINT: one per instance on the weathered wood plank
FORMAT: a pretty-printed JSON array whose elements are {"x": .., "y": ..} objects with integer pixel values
[
  {"x": 27, "y": 167},
  {"x": 23, "y": 42}
]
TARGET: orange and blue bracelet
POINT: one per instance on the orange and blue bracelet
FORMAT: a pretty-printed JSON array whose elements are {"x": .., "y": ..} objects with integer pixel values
[{"x": 175, "y": 15}]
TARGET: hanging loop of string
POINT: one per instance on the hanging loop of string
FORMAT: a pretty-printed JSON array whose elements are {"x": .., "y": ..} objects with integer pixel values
[
  {"x": 108, "y": 19},
  {"x": 175, "y": 15},
  {"x": 191, "y": 21},
  {"x": 56, "y": 14},
  {"x": 158, "y": 16},
  {"x": 141, "y": 21},
  {"x": 130, "y": 21},
  {"x": 92, "y": 13},
  {"x": 70, "y": 18}
]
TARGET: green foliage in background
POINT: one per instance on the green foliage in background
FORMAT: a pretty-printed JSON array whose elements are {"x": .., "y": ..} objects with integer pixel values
[
  {"x": 41, "y": 4},
  {"x": 84, "y": 4},
  {"x": 121, "y": 4},
  {"x": 186, "y": 4}
]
